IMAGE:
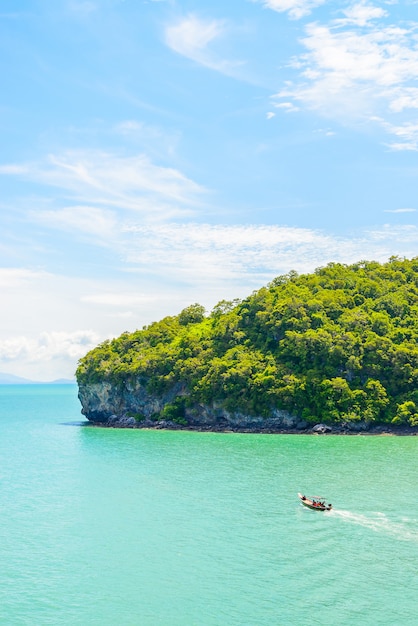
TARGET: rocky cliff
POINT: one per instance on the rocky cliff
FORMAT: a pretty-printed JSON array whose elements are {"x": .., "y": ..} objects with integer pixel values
[{"x": 130, "y": 406}]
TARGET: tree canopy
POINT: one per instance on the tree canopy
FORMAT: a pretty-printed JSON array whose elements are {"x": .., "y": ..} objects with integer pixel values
[{"x": 337, "y": 345}]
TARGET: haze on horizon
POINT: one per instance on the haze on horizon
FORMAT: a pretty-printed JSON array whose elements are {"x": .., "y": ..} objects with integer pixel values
[{"x": 157, "y": 153}]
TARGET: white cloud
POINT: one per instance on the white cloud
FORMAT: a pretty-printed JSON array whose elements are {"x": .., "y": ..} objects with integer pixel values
[
  {"x": 17, "y": 277},
  {"x": 145, "y": 132},
  {"x": 359, "y": 70},
  {"x": 408, "y": 133},
  {"x": 400, "y": 210},
  {"x": 100, "y": 178},
  {"x": 288, "y": 107},
  {"x": 118, "y": 299},
  {"x": 89, "y": 220},
  {"x": 153, "y": 140},
  {"x": 130, "y": 126},
  {"x": 48, "y": 353},
  {"x": 295, "y": 8},
  {"x": 250, "y": 255},
  {"x": 325, "y": 131},
  {"x": 403, "y": 146},
  {"x": 13, "y": 169},
  {"x": 408, "y": 99},
  {"x": 48, "y": 345},
  {"x": 362, "y": 13},
  {"x": 192, "y": 38},
  {"x": 45, "y": 317},
  {"x": 407, "y": 234}
]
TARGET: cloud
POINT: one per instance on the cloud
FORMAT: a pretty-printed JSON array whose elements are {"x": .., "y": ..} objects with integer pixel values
[
  {"x": 361, "y": 14},
  {"x": 408, "y": 133},
  {"x": 253, "y": 254},
  {"x": 108, "y": 180},
  {"x": 359, "y": 69},
  {"x": 288, "y": 107},
  {"x": 407, "y": 234},
  {"x": 295, "y": 8},
  {"x": 13, "y": 169},
  {"x": 118, "y": 299},
  {"x": 48, "y": 346},
  {"x": 400, "y": 210},
  {"x": 86, "y": 219},
  {"x": 18, "y": 277},
  {"x": 152, "y": 139},
  {"x": 53, "y": 320},
  {"x": 192, "y": 38},
  {"x": 325, "y": 131}
]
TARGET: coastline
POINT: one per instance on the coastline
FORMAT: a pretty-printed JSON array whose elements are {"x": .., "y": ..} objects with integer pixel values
[{"x": 382, "y": 430}]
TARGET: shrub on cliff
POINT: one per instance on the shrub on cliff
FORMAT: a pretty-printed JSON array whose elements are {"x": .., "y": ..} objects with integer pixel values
[{"x": 340, "y": 344}]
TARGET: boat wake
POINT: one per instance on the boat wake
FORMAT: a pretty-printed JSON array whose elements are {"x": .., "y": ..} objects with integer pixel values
[{"x": 379, "y": 523}]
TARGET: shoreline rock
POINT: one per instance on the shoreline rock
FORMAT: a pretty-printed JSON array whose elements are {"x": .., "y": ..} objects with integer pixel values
[
  {"x": 131, "y": 423},
  {"x": 131, "y": 406}
]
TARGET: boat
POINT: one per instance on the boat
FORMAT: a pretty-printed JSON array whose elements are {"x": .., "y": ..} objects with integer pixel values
[{"x": 317, "y": 503}]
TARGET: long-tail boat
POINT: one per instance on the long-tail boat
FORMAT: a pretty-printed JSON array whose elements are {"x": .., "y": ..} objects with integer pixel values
[{"x": 317, "y": 503}]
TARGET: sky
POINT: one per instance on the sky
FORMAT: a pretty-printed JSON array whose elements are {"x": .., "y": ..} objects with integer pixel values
[{"x": 158, "y": 153}]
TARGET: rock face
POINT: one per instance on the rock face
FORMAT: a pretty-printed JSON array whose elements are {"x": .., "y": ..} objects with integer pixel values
[
  {"x": 131, "y": 406},
  {"x": 216, "y": 417},
  {"x": 101, "y": 401}
]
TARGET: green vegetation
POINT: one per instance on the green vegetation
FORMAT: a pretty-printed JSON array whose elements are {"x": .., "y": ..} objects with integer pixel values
[{"x": 338, "y": 345}]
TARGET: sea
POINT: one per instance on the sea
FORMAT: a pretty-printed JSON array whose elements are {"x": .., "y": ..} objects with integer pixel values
[{"x": 113, "y": 527}]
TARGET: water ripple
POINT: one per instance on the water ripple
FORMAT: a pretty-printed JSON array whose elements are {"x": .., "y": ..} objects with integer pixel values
[{"x": 380, "y": 523}]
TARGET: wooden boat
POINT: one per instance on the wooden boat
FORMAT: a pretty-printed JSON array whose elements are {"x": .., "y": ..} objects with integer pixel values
[{"x": 317, "y": 503}]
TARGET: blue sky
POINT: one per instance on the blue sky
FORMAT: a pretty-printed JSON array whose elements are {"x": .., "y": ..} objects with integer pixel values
[{"x": 154, "y": 154}]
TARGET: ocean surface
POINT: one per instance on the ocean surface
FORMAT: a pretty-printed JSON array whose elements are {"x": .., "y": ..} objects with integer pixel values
[{"x": 147, "y": 528}]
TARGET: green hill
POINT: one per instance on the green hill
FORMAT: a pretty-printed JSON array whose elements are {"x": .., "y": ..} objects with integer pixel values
[{"x": 339, "y": 345}]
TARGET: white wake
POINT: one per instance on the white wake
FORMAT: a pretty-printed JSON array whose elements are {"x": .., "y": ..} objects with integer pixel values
[{"x": 380, "y": 523}]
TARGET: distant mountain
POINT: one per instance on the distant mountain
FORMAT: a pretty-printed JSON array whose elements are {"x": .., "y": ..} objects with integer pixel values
[{"x": 11, "y": 379}]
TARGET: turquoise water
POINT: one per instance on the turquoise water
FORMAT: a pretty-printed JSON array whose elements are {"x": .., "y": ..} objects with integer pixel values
[{"x": 147, "y": 528}]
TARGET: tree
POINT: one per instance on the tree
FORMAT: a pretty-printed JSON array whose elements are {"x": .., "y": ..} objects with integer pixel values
[
  {"x": 340, "y": 344},
  {"x": 192, "y": 314},
  {"x": 406, "y": 413}
]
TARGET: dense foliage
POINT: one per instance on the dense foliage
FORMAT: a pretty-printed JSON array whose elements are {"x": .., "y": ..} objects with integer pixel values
[{"x": 337, "y": 345}]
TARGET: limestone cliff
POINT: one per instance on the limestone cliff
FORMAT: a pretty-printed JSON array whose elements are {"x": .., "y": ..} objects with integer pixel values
[{"x": 129, "y": 405}]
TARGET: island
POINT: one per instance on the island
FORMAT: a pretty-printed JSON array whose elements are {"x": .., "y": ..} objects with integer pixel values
[{"x": 335, "y": 350}]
